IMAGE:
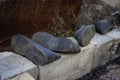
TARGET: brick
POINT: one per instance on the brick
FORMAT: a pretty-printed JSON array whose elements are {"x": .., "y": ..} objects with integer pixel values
[
  {"x": 102, "y": 54},
  {"x": 12, "y": 64}
]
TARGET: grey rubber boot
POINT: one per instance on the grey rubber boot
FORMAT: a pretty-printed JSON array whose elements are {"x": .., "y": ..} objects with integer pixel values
[
  {"x": 85, "y": 34},
  {"x": 36, "y": 53},
  {"x": 103, "y": 26},
  {"x": 62, "y": 45}
]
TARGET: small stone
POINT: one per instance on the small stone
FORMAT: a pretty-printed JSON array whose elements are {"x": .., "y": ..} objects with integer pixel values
[
  {"x": 33, "y": 51},
  {"x": 57, "y": 44},
  {"x": 113, "y": 73},
  {"x": 103, "y": 26},
  {"x": 85, "y": 34}
]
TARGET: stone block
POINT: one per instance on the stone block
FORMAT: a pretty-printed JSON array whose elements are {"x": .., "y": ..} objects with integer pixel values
[
  {"x": 23, "y": 76},
  {"x": 12, "y": 64},
  {"x": 115, "y": 34},
  {"x": 69, "y": 66},
  {"x": 100, "y": 39},
  {"x": 102, "y": 53}
]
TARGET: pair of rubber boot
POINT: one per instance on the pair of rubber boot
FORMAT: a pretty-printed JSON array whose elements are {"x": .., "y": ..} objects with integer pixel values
[
  {"x": 104, "y": 25},
  {"x": 84, "y": 35},
  {"x": 43, "y": 47}
]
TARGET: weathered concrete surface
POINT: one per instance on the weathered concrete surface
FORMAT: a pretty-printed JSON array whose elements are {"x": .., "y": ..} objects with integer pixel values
[
  {"x": 115, "y": 34},
  {"x": 100, "y": 39},
  {"x": 102, "y": 46},
  {"x": 105, "y": 47},
  {"x": 69, "y": 67},
  {"x": 102, "y": 54},
  {"x": 12, "y": 64},
  {"x": 23, "y": 76}
]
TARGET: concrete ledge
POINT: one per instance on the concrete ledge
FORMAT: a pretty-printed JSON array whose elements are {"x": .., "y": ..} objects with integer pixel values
[
  {"x": 69, "y": 67},
  {"x": 102, "y": 53},
  {"x": 73, "y": 66},
  {"x": 105, "y": 47},
  {"x": 115, "y": 34},
  {"x": 100, "y": 39},
  {"x": 12, "y": 64}
]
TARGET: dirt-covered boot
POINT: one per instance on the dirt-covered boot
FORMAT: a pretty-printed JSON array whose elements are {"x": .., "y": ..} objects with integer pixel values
[
  {"x": 103, "y": 26},
  {"x": 36, "y": 53},
  {"x": 58, "y": 44},
  {"x": 85, "y": 34}
]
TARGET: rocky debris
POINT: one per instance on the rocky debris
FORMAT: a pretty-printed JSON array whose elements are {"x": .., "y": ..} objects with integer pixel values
[
  {"x": 85, "y": 34},
  {"x": 116, "y": 17},
  {"x": 103, "y": 26},
  {"x": 33, "y": 51},
  {"x": 57, "y": 44},
  {"x": 113, "y": 73}
]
